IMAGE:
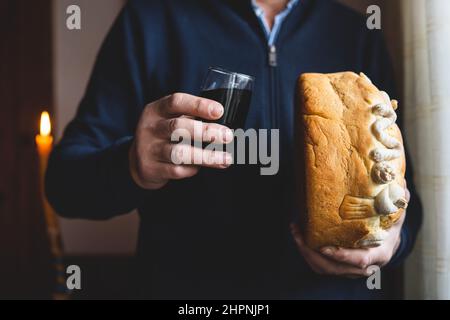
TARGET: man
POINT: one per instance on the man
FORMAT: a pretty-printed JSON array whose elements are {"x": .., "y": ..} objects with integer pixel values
[{"x": 214, "y": 230}]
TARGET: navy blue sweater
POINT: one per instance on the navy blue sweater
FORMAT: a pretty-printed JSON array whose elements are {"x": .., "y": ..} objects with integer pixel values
[{"x": 221, "y": 234}]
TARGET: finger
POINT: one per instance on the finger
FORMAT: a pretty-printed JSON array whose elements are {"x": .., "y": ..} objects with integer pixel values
[
  {"x": 183, "y": 154},
  {"x": 339, "y": 269},
  {"x": 185, "y": 128},
  {"x": 330, "y": 267},
  {"x": 189, "y": 105},
  {"x": 361, "y": 258},
  {"x": 357, "y": 257},
  {"x": 186, "y": 154},
  {"x": 321, "y": 264}
]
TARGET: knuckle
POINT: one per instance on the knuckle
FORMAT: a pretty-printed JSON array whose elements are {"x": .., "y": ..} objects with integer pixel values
[
  {"x": 206, "y": 127},
  {"x": 176, "y": 100},
  {"x": 151, "y": 110},
  {"x": 148, "y": 108},
  {"x": 208, "y": 132},
  {"x": 342, "y": 254},
  {"x": 174, "y": 124},
  {"x": 202, "y": 106},
  {"x": 364, "y": 262},
  {"x": 177, "y": 153},
  {"x": 146, "y": 118}
]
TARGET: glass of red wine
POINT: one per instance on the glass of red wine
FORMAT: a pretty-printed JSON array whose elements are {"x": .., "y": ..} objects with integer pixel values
[{"x": 234, "y": 91}]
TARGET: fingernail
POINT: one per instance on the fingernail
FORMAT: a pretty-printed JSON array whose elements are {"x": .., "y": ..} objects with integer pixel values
[
  {"x": 219, "y": 158},
  {"x": 328, "y": 251},
  {"x": 370, "y": 270},
  {"x": 228, "y": 159},
  {"x": 216, "y": 110},
  {"x": 228, "y": 135}
]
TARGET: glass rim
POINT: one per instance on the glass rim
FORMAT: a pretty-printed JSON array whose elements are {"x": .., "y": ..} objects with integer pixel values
[{"x": 224, "y": 71}]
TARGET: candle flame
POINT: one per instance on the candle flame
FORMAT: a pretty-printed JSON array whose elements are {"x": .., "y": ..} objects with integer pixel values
[{"x": 46, "y": 126}]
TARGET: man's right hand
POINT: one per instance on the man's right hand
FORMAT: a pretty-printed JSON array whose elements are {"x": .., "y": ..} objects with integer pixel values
[{"x": 152, "y": 153}]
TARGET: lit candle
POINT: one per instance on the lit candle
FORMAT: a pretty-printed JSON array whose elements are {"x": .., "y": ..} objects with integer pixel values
[
  {"x": 44, "y": 143},
  {"x": 44, "y": 139}
]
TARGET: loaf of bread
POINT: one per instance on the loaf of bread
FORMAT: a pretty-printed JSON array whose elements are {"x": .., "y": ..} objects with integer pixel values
[{"x": 351, "y": 161}]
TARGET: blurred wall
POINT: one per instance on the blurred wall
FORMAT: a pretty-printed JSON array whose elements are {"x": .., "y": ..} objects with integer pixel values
[
  {"x": 74, "y": 54},
  {"x": 25, "y": 90}
]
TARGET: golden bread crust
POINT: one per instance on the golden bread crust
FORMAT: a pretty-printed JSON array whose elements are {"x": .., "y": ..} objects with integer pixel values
[{"x": 337, "y": 136}]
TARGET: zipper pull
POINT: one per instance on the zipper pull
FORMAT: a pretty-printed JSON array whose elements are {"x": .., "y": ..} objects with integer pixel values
[{"x": 273, "y": 56}]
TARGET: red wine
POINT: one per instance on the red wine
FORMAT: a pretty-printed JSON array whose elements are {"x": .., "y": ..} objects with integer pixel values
[{"x": 236, "y": 103}]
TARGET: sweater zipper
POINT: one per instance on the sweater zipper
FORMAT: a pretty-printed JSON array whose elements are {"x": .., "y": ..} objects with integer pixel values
[
  {"x": 273, "y": 56},
  {"x": 273, "y": 63}
]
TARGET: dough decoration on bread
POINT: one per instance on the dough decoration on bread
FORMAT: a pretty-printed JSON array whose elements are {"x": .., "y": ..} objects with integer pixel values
[
  {"x": 354, "y": 160},
  {"x": 392, "y": 197}
]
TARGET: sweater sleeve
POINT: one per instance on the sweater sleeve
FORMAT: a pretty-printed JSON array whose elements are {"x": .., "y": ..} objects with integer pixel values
[
  {"x": 88, "y": 174},
  {"x": 379, "y": 69}
]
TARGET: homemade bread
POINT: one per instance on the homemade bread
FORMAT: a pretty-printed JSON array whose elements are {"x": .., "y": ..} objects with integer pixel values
[{"x": 351, "y": 161}]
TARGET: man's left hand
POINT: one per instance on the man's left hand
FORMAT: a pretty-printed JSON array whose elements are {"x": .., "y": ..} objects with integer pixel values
[{"x": 352, "y": 263}]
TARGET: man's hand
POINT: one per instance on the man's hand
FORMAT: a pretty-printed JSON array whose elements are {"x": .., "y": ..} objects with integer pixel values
[
  {"x": 352, "y": 263},
  {"x": 152, "y": 153}
]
